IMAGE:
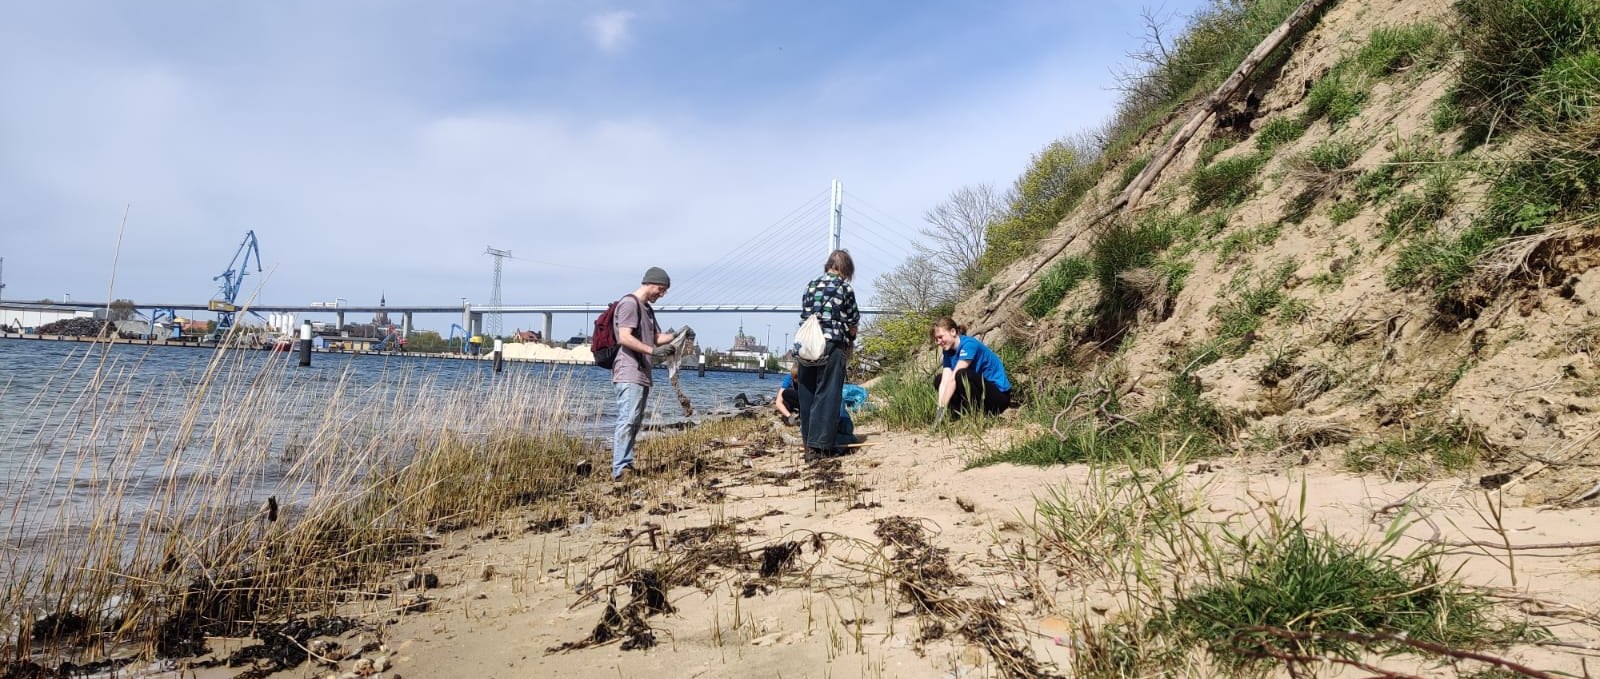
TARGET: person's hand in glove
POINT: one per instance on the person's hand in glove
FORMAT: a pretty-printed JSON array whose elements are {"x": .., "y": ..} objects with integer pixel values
[
  {"x": 938, "y": 417},
  {"x": 662, "y": 351}
]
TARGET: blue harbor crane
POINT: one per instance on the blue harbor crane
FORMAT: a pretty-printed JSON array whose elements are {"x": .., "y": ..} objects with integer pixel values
[{"x": 232, "y": 281}]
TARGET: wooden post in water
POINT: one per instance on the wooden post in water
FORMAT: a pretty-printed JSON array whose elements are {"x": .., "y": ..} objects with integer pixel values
[
  {"x": 305, "y": 344},
  {"x": 702, "y": 365},
  {"x": 499, "y": 360},
  {"x": 763, "y": 368}
]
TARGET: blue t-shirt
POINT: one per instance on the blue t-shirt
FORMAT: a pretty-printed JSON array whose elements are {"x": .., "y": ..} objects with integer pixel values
[
  {"x": 788, "y": 382},
  {"x": 984, "y": 361}
]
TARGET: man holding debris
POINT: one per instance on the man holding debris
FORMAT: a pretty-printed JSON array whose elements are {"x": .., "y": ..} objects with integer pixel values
[{"x": 639, "y": 339}]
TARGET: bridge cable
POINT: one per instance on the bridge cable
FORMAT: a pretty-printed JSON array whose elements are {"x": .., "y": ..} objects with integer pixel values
[
  {"x": 722, "y": 276},
  {"x": 719, "y": 268},
  {"x": 729, "y": 267}
]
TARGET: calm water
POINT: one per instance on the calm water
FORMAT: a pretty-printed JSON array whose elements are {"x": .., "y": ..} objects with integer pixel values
[{"x": 79, "y": 422}]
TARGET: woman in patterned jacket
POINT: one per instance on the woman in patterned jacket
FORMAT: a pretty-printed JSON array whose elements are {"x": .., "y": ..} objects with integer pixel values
[{"x": 820, "y": 385}]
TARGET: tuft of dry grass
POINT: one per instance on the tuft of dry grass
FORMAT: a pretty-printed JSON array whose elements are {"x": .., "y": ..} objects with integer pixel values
[{"x": 154, "y": 515}]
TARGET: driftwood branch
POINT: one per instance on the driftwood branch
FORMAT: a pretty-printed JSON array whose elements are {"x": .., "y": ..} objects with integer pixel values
[
  {"x": 1141, "y": 183},
  {"x": 1430, "y": 647},
  {"x": 1130, "y": 196},
  {"x": 1504, "y": 546}
]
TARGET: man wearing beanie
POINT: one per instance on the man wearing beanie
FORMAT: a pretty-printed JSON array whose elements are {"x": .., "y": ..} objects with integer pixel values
[{"x": 639, "y": 339}]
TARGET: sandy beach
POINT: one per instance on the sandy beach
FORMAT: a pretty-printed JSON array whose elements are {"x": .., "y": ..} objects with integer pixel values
[{"x": 771, "y": 567}]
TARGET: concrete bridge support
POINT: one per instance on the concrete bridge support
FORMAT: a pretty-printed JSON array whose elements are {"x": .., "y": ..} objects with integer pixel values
[
  {"x": 405, "y": 324},
  {"x": 338, "y": 320},
  {"x": 548, "y": 326}
]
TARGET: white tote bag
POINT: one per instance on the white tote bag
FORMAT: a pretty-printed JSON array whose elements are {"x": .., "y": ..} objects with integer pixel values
[{"x": 813, "y": 345}]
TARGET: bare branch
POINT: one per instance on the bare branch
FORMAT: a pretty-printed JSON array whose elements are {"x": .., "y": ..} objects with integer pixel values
[{"x": 956, "y": 229}]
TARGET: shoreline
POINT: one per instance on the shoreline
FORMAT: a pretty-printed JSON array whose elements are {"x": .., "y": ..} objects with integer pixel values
[
  {"x": 730, "y": 557},
  {"x": 539, "y": 355}
]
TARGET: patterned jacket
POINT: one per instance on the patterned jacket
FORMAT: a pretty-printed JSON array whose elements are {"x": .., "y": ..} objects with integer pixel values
[{"x": 831, "y": 296}]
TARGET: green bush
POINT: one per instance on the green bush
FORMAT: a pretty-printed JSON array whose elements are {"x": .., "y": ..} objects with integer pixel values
[
  {"x": 1241, "y": 313},
  {"x": 1060, "y": 280},
  {"x": 1279, "y": 131},
  {"x": 1336, "y": 97},
  {"x": 893, "y": 339},
  {"x": 1555, "y": 183},
  {"x": 1213, "y": 147},
  {"x": 1391, "y": 49},
  {"x": 1343, "y": 211},
  {"x": 1055, "y": 180},
  {"x": 1199, "y": 226},
  {"x": 1227, "y": 182},
  {"x": 1332, "y": 155},
  {"x": 1567, "y": 91},
  {"x": 1122, "y": 247},
  {"x": 1412, "y": 211},
  {"x": 1507, "y": 47},
  {"x": 1378, "y": 184}
]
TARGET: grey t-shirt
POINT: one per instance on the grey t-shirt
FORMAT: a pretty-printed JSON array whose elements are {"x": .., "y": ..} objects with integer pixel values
[{"x": 630, "y": 367}]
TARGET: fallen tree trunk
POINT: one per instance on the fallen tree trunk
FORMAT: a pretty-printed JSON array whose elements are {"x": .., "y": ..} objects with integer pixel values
[{"x": 1128, "y": 200}]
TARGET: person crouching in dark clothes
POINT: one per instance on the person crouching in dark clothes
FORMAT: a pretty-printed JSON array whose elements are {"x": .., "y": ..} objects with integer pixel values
[
  {"x": 820, "y": 386},
  {"x": 788, "y": 400},
  {"x": 971, "y": 377}
]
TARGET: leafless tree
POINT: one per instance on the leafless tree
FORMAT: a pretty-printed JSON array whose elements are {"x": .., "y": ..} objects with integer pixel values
[
  {"x": 916, "y": 285},
  {"x": 1150, "y": 60},
  {"x": 955, "y": 232}
]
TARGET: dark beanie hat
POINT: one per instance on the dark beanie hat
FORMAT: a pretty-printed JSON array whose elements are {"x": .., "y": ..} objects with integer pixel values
[{"x": 655, "y": 275}]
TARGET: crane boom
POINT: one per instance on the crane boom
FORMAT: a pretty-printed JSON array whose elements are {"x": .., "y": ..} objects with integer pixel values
[{"x": 232, "y": 280}]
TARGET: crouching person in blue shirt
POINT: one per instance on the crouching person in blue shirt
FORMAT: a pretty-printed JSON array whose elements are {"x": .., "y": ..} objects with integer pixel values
[{"x": 971, "y": 377}]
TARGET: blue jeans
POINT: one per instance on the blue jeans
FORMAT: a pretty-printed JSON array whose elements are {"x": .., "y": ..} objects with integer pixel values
[
  {"x": 630, "y": 412},
  {"x": 821, "y": 391}
]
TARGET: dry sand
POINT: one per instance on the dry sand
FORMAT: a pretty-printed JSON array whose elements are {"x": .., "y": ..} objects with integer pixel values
[{"x": 510, "y": 593}]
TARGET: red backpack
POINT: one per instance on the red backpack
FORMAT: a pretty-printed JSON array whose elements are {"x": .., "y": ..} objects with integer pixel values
[{"x": 603, "y": 340}]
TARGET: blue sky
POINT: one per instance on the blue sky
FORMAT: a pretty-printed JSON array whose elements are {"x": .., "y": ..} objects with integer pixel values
[{"x": 377, "y": 147}]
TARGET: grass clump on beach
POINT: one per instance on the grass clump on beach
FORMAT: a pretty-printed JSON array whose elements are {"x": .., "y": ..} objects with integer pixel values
[
  {"x": 1301, "y": 595},
  {"x": 1251, "y": 595},
  {"x": 907, "y": 399},
  {"x": 1422, "y": 451},
  {"x": 299, "y": 509}
]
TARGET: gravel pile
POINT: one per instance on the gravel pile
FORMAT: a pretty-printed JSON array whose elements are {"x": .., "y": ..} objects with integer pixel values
[{"x": 78, "y": 327}]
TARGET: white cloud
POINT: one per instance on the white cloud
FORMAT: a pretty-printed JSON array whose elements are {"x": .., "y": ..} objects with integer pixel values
[
  {"x": 611, "y": 30},
  {"x": 378, "y": 166}
]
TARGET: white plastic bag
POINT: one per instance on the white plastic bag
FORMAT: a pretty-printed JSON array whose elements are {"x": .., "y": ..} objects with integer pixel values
[{"x": 811, "y": 344}]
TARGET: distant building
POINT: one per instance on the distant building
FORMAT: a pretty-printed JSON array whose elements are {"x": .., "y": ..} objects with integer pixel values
[
  {"x": 24, "y": 316},
  {"x": 381, "y": 318},
  {"x": 745, "y": 352}
]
